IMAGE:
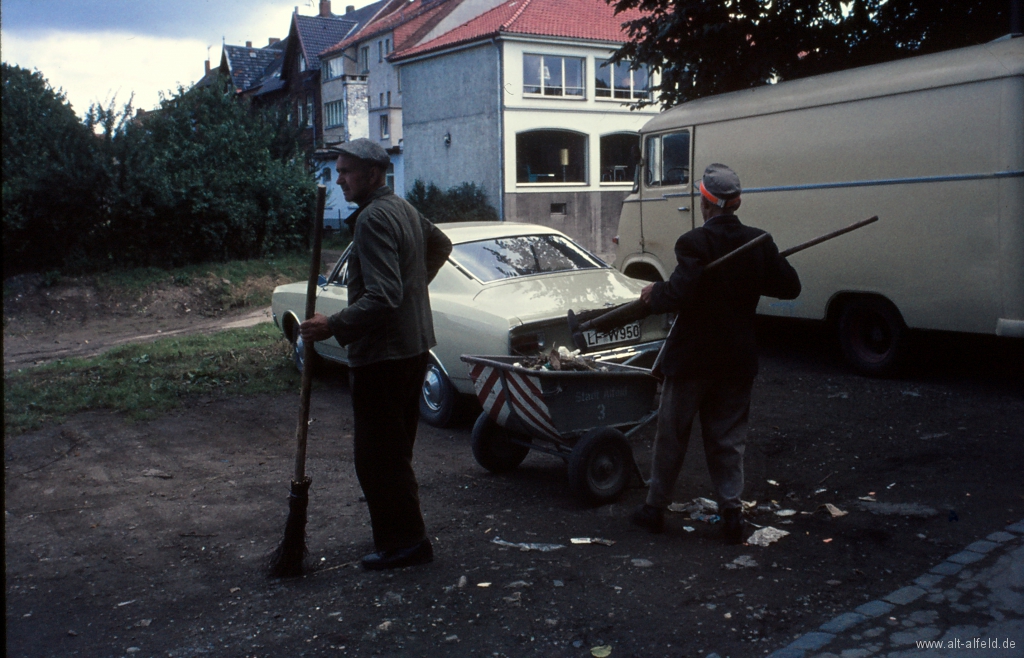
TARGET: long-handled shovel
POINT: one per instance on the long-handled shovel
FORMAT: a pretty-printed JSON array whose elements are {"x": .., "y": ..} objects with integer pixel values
[
  {"x": 288, "y": 560},
  {"x": 638, "y": 309}
]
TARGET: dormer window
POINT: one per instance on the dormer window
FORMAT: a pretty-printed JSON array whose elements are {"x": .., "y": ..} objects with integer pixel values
[{"x": 302, "y": 62}]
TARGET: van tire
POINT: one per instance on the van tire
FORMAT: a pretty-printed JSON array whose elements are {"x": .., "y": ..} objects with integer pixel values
[{"x": 872, "y": 335}]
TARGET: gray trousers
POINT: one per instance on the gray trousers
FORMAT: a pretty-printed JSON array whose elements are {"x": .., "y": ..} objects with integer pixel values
[{"x": 724, "y": 406}]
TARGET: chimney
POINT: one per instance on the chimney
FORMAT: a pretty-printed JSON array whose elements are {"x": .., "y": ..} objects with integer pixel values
[
  {"x": 325, "y": 8},
  {"x": 248, "y": 44},
  {"x": 273, "y": 40},
  {"x": 349, "y": 9},
  {"x": 207, "y": 66}
]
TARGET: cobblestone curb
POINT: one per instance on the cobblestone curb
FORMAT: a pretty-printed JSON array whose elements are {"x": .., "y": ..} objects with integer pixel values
[{"x": 919, "y": 624}]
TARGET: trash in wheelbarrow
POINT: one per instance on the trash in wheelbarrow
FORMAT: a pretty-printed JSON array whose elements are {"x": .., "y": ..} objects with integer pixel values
[{"x": 583, "y": 417}]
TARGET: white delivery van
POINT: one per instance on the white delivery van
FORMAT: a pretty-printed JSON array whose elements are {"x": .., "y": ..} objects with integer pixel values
[{"x": 933, "y": 145}]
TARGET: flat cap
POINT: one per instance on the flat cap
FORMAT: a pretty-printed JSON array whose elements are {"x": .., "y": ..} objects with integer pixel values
[
  {"x": 721, "y": 182},
  {"x": 365, "y": 150}
]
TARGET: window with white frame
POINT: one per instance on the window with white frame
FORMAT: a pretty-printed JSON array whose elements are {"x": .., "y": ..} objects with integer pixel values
[
  {"x": 619, "y": 82},
  {"x": 334, "y": 114},
  {"x": 335, "y": 67},
  {"x": 389, "y": 176},
  {"x": 552, "y": 75},
  {"x": 385, "y": 131},
  {"x": 551, "y": 156}
]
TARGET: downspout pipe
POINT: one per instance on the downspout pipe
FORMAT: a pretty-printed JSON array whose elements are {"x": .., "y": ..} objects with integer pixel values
[{"x": 501, "y": 130}]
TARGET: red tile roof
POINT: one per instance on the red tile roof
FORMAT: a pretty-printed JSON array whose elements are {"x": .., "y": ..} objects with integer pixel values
[
  {"x": 593, "y": 20},
  {"x": 403, "y": 21}
]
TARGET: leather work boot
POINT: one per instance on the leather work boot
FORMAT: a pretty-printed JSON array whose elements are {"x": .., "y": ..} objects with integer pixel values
[
  {"x": 419, "y": 553},
  {"x": 733, "y": 530},
  {"x": 647, "y": 516}
]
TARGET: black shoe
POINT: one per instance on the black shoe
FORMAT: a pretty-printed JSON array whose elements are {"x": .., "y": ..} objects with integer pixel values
[
  {"x": 647, "y": 516},
  {"x": 733, "y": 530},
  {"x": 420, "y": 553}
]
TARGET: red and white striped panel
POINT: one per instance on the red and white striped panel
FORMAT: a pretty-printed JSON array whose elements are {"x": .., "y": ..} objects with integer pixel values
[
  {"x": 490, "y": 392},
  {"x": 525, "y": 396}
]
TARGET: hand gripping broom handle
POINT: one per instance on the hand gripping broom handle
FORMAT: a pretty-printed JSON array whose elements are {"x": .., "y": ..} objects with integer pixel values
[{"x": 308, "y": 353}]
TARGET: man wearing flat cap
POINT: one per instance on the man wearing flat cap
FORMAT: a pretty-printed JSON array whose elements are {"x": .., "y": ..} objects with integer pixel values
[
  {"x": 709, "y": 359},
  {"x": 389, "y": 330}
]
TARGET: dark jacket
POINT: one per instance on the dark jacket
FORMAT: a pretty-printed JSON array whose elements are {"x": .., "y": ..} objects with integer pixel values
[
  {"x": 396, "y": 252},
  {"x": 713, "y": 336}
]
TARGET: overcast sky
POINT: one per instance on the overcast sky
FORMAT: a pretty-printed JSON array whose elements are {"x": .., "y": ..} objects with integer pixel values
[{"x": 98, "y": 49}]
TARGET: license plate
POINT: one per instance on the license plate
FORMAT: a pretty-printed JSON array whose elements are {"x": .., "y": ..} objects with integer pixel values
[{"x": 613, "y": 336}]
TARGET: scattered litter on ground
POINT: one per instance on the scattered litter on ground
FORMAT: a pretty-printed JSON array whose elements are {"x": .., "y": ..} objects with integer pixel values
[
  {"x": 592, "y": 540},
  {"x": 483, "y": 584},
  {"x": 700, "y": 509},
  {"x": 766, "y": 535},
  {"x": 827, "y": 541},
  {"x": 517, "y": 583},
  {"x": 914, "y": 510},
  {"x": 773, "y": 483},
  {"x": 602, "y": 651},
  {"x": 868, "y": 499},
  {"x": 748, "y": 505},
  {"x": 834, "y": 511},
  {"x": 641, "y": 562},
  {"x": 689, "y": 528},
  {"x": 525, "y": 546},
  {"x": 462, "y": 582},
  {"x": 785, "y": 512},
  {"x": 156, "y": 473},
  {"x": 818, "y": 491},
  {"x": 385, "y": 626},
  {"x": 742, "y": 562}
]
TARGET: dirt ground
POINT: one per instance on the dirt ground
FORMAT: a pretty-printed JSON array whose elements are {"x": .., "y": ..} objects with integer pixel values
[{"x": 149, "y": 539}]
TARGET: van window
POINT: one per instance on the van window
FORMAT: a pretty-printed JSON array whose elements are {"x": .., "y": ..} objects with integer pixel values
[{"x": 667, "y": 159}]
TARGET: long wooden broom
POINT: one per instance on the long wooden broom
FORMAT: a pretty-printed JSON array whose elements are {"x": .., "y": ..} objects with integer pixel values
[{"x": 288, "y": 561}]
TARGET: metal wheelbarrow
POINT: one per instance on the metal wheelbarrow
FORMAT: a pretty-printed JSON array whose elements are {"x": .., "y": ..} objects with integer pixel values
[{"x": 582, "y": 417}]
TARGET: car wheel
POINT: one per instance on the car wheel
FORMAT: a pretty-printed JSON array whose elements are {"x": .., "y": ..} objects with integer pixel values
[
  {"x": 493, "y": 447},
  {"x": 299, "y": 356},
  {"x": 439, "y": 398},
  {"x": 600, "y": 466},
  {"x": 872, "y": 334}
]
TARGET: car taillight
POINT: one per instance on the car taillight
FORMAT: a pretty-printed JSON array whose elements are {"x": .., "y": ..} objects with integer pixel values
[
  {"x": 615, "y": 240},
  {"x": 526, "y": 344}
]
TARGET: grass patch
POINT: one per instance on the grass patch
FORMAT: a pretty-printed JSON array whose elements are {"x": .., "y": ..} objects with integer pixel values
[{"x": 144, "y": 381}]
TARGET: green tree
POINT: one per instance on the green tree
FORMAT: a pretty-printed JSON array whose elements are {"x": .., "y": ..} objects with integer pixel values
[
  {"x": 202, "y": 178},
  {"x": 705, "y": 47},
  {"x": 51, "y": 182},
  {"x": 465, "y": 202}
]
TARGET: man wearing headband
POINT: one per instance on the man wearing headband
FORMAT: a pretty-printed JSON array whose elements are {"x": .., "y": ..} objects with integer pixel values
[{"x": 710, "y": 356}]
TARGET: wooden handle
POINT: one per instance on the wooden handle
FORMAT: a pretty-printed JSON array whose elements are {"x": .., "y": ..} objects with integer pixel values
[
  {"x": 308, "y": 353},
  {"x": 827, "y": 236}
]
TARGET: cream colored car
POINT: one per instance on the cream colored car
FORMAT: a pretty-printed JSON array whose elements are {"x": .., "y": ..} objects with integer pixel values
[{"x": 505, "y": 290}]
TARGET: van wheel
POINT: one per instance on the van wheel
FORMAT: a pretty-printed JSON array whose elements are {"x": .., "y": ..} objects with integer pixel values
[{"x": 872, "y": 335}]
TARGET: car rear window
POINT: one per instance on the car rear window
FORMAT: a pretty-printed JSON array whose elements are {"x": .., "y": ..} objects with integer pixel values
[{"x": 522, "y": 255}]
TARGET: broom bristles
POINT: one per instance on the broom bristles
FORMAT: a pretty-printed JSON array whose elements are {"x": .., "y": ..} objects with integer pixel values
[{"x": 288, "y": 561}]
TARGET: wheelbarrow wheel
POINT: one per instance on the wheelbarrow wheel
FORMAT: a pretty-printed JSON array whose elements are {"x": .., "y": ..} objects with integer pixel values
[
  {"x": 493, "y": 446},
  {"x": 600, "y": 466}
]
